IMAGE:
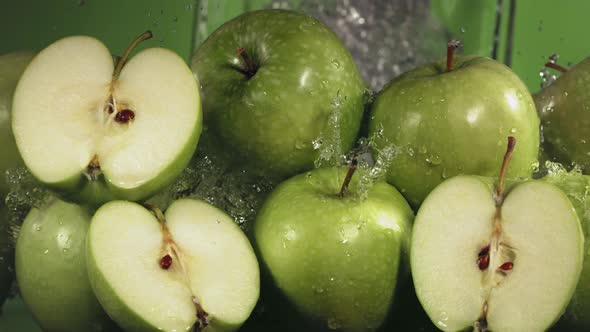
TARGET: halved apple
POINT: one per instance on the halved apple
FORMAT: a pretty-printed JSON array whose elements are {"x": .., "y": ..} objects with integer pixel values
[
  {"x": 98, "y": 132},
  {"x": 494, "y": 261},
  {"x": 192, "y": 268}
]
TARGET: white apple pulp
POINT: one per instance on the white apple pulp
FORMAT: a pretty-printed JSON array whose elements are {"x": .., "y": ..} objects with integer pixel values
[
  {"x": 61, "y": 120},
  {"x": 536, "y": 229},
  {"x": 214, "y": 266}
]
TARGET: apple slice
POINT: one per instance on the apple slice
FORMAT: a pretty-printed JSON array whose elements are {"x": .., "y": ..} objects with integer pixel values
[
  {"x": 496, "y": 261},
  {"x": 193, "y": 267},
  {"x": 96, "y": 131}
]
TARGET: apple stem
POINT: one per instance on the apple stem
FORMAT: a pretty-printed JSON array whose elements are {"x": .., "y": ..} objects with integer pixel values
[
  {"x": 451, "y": 47},
  {"x": 481, "y": 324},
  {"x": 351, "y": 169},
  {"x": 250, "y": 67},
  {"x": 93, "y": 169},
  {"x": 507, "y": 156},
  {"x": 144, "y": 36},
  {"x": 553, "y": 65},
  {"x": 157, "y": 213}
]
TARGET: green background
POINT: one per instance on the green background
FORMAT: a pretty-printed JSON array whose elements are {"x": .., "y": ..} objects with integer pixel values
[{"x": 540, "y": 28}]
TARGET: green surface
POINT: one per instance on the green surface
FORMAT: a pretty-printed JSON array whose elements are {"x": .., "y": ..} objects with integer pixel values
[{"x": 114, "y": 22}]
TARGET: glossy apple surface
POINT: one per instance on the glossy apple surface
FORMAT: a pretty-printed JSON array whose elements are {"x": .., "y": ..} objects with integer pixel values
[
  {"x": 337, "y": 260},
  {"x": 51, "y": 270},
  {"x": 564, "y": 109},
  {"x": 303, "y": 87},
  {"x": 437, "y": 124}
]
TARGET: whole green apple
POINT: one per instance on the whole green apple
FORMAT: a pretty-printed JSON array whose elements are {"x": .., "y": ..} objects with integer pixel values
[
  {"x": 576, "y": 185},
  {"x": 51, "y": 269},
  {"x": 276, "y": 85},
  {"x": 12, "y": 66},
  {"x": 336, "y": 258},
  {"x": 437, "y": 123},
  {"x": 563, "y": 108}
]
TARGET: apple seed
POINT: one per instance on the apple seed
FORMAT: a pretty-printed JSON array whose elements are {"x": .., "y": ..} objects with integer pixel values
[
  {"x": 507, "y": 266},
  {"x": 166, "y": 262},
  {"x": 483, "y": 258},
  {"x": 125, "y": 116}
]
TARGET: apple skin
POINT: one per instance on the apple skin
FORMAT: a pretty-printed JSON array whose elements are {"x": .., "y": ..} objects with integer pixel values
[
  {"x": 336, "y": 260},
  {"x": 12, "y": 66},
  {"x": 563, "y": 108},
  {"x": 575, "y": 186},
  {"x": 449, "y": 123},
  {"x": 270, "y": 120},
  {"x": 51, "y": 270}
]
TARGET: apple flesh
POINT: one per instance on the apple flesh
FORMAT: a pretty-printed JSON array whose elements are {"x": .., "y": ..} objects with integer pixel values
[
  {"x": 563, "y": 108},
  {"x": 443, "y": 124},
  {"x": 95, "y": 133},
  {"x": 273, "y": 82},
  {"x": 508, "y": 266},
  {"x": 51, "y": 270},
  {"x": 336, "y": 259},
  {"x": 575, "y": 185},
  {"x": 192, "y": 268}
]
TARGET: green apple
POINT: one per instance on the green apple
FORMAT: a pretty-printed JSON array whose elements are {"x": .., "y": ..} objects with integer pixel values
[
  {"x": 563, "y": 108},
  {"x": 12, "y": 66},
  {"x": 496, "y": 259},
  {"x": 51, "y": 269},
  {"x": 95, "y": 131},
  {"x": 336, "y": 256},
  {"x": 276, "y": 83},
  {"x": 191, "y": 268},
  {"x": 443, "y": 123},
  {"x": 576, "y": 186}
]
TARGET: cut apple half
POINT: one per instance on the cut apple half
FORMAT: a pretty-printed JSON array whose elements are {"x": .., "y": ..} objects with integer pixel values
[
  {"x": 494, "y": 261},
  {"x": 78, "y": 120},
  {"x": 193, "y": 268}
]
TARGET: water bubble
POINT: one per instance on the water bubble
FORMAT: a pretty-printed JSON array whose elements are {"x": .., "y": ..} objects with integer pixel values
[
  {"x": 434, "y": 159},
  {"x": 334, "y": 323}
]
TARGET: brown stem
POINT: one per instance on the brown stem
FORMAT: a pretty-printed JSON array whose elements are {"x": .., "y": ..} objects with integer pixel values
[
  {"x": 249, "y": 65},
  {"x": 351, "y": 169},
  {"x": 451, "y": 47},
  {"x": 555, "y": 66},
  {"x": 144, "y": 36},
  {"x": 504, "y": 169}
]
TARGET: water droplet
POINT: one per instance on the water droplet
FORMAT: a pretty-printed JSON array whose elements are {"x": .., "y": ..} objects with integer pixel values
[
  {"x": 344, "y": 241},
  {"x": 462, "y": 29},
  {"x": 410, "y": 152},
  {"x": 336, "y": 63},
  {"x": 46, "y": 251},
  {"x": 434, "y": 159},
  {"x": 513, "y": 130},
  {"x": 316, "y": 143},
  {"x": 299, "y": 145},
  {"x": 422, "y": 149},
  {"x": 583, "y": 141},
  {"x": 333, "y": 323}
]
